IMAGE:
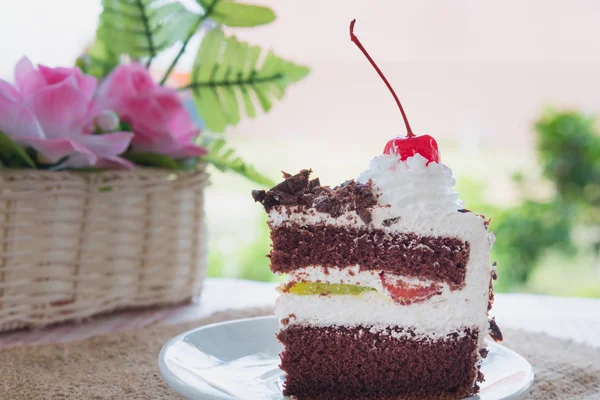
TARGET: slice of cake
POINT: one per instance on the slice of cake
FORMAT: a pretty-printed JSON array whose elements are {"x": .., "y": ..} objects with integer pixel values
[
  {"x": 389, "y": 280},
  {"x": 389, "y": 283}
]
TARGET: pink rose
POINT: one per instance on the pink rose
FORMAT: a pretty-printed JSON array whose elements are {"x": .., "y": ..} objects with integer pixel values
[
  {"x": 156, "y": 114},
  {"x": 30, "y": 81},
  {"x": 50, "y": 110}
]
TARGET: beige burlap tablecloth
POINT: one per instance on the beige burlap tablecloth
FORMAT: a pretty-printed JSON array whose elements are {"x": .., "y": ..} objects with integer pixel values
[{"x": 123, "y": 365}]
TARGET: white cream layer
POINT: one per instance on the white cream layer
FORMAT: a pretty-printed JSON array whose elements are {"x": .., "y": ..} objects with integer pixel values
[
  {"x": 351, "y": 276},
  {"x": 431, "y": 320},
  {"x": 436, "y": 317},
  {"x": 465, "y": 226}
]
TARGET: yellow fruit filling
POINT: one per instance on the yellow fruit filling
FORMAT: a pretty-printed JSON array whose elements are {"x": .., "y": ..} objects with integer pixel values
[{"x": 312, "y": 288}]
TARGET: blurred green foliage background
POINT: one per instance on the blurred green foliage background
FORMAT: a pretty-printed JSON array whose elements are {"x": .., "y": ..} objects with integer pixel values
[{"x": 548, "y": 242}]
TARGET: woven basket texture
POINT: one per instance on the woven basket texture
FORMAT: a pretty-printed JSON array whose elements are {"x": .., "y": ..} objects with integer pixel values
[{"x": 77, "y": 244}]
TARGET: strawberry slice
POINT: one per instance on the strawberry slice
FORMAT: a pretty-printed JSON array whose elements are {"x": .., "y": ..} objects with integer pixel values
[{"x": 405, "y": 293}]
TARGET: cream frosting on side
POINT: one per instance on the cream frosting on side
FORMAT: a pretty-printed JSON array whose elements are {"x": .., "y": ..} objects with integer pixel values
[{"x": 432, "y": 318}]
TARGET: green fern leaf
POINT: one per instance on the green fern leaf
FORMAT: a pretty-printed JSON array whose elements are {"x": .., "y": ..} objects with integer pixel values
[
  {"x": 143, "y": 28},
  {"x": 231, "y": 13},
  {"x": 225, "y": 159},
  {"x": 226, "y": 73}
]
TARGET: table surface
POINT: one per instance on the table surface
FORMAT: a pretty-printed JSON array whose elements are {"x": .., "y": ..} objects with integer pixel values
[{"x": 570, "y": 318}]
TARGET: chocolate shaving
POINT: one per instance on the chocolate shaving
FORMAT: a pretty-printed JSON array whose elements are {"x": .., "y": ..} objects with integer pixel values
[
  {"x": 286, "y": 321},
  {"x": 490, "y": 296},
  {"x": 314, "y": 183},
  {"x": 258, "y": 195},
  {"x": 493, "y": 277},
  {"x": 298, "y": 190},
  {"x": 483, "y": 353},
  {"x": 286, "y": 288},
  {"x": 288, "y": 192},
  {"x": 495, "y": 332},
  {"x": 390, "y": 221},
  {"x": 480, "y": 378},
  {"x": 487, "y": 221}
]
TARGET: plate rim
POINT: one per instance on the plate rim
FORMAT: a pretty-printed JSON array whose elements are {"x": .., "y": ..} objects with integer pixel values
[
  {"x": 170, "y": 378},
  {"x": 173, "y": 381}
]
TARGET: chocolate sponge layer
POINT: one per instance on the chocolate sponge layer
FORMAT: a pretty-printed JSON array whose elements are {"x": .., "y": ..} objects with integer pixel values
[
  {"x": 356, "y": 363},
  {"x": 442, "y": 259}
]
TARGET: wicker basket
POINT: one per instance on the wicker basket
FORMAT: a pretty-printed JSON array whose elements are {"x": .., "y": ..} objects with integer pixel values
[{"x": 75, "y": 244}]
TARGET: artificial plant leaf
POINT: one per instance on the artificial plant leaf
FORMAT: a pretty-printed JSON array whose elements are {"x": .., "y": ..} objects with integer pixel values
[
  {"x": 98, "y": 60},
  {"x": 12, "y": 155},
  {"x": 207, "y": 99},
  {"x": 230, "y": 102},
  {"x": 208, "y": 55},
  {"x": 225, "y": 159},
  {"x": 263, "y": 97},
  {"x": 231, "y": 13},
  {"x": 226, "y": 72},
  {"x": 151, "y": 160},
  {"x": 187, "y": 164},
  {"x": 249, "y": 106},
  {"x": 143, "y": 28}
]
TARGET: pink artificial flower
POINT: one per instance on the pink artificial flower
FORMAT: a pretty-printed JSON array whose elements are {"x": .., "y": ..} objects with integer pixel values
[
  {"x": 156, "y": 114},
  {"x": 50, "y": 110},
  {"x": 30, "y": 81}
]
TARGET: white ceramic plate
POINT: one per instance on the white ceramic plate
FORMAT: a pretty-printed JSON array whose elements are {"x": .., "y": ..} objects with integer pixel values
[{"x": 239, "y": 360}]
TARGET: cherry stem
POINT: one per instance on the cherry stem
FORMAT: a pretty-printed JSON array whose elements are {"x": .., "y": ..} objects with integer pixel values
[{"x": 357, "y": 42}]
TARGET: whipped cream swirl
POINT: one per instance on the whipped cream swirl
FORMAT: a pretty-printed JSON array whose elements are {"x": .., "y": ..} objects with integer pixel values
[{"x": 412, "y": 186}]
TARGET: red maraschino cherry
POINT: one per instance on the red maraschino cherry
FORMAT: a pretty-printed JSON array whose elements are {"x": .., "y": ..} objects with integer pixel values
[
  {"x": 411, "y": 144},
  {"x": 408, "y": 146}
]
